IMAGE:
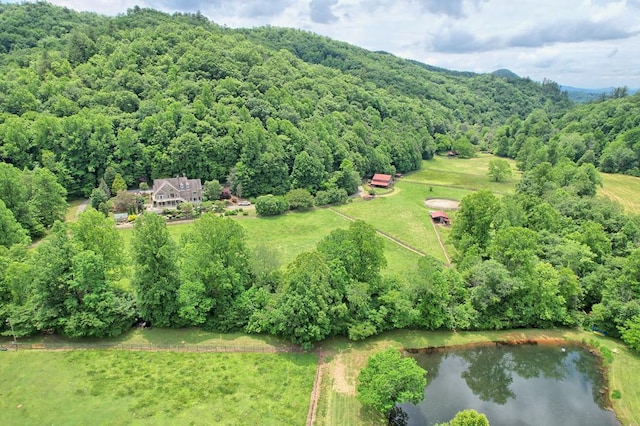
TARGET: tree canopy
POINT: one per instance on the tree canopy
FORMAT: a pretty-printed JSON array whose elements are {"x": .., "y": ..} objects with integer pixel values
[{"x": 389, "y": 379}]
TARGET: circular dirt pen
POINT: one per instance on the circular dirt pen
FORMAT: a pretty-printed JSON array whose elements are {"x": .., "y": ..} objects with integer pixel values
[{"x": 442, "y": 203}]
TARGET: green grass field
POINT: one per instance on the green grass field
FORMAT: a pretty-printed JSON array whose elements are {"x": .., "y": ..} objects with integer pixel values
[
  {"x": 142, "y": 387},
  {"x": 403, "y": 214},
  {"x": 470, "y": 174},
  {"x": 622, "y": 189}
]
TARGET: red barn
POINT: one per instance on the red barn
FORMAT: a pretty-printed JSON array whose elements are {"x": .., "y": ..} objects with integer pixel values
[
  {"x": 381, "y": 180},
  {"x": 440, "y": 217}
]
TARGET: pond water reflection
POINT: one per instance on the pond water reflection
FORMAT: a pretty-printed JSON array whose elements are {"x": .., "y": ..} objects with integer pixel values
[{"x": 513, "y": 385}]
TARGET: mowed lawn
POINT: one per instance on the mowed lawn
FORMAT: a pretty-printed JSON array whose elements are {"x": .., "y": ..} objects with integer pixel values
[
  {"x": 622, "y": 189},
  {"x": 114, "y": 387}
]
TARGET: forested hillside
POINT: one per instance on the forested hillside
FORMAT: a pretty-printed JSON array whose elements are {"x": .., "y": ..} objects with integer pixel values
[{"x": 156, "y": 95}]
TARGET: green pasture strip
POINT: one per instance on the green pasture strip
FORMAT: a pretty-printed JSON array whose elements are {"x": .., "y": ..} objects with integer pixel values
[
  {"x": 403, "y": 215},
  {"x": 143, "y": 387},
  {"x": 338, "y": 403},
  {"x": 159, "y": 338},
  {"x": 622, "y": 189},
  {"x": 294, "y": 233},
  {"x": 624, "y": 376},
  {"x": 401, "y": 263}
]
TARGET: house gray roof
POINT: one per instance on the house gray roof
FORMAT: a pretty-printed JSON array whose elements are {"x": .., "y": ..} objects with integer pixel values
[{"x": 178, "y": 183}]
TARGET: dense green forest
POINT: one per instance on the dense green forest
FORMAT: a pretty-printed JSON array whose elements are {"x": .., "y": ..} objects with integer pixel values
[
  {"x": 155, "y": 95},
  {"x": 86, "y": 98},
  {"x": 605, "y": 133}
]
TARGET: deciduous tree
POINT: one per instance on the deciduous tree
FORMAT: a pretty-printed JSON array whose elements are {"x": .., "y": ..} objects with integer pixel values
[
  {"x": 215, "y": 267},
  {"x": 48, "y": 198},
  {"x": 499, "y": 169},
  {"x": 302, "y": 310},
  {"x": 10, "y": 230},
  {"x": 389, "y": 379},
  {"x": 156, "y": 277},
  {"x": 212, "y": 190}
]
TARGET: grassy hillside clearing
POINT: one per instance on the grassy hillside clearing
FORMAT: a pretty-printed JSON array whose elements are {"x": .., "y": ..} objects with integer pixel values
[
  {"x": 470, "y": 174},
  {"x": 623, "y": 189}
]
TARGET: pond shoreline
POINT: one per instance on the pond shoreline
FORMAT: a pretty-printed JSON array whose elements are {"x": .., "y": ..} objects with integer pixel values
[{"x": 604, "y": 391}]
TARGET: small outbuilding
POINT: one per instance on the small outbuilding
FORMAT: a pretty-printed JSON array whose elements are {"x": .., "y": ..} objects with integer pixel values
[
  {"x": 383, "y": 181},
  {"x": 440, "y": 217}
]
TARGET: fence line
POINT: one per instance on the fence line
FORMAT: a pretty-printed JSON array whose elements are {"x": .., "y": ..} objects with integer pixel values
[
  {"x": 155, "y": 348},
  {"x": 444, "y": 185},
  {"x": 382, "y": 233}
]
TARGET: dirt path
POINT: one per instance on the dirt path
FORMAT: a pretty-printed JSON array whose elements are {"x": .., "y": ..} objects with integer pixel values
[
  {"x": 82, "y": 207},
  {"x": 315, "y": 392},
  {"x": 444, "y": 249}
]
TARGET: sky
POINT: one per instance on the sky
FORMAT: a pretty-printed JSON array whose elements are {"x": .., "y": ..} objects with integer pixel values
[{"x": 579, "y": 43}]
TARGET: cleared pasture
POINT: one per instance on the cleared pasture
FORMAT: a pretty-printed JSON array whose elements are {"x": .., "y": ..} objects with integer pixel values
[
  {"x": 402, "y": 214},
  {"x": 470, "y": 174}
]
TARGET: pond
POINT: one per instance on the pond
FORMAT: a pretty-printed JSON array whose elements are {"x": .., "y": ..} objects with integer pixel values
[{"x": 513, "y": 385}]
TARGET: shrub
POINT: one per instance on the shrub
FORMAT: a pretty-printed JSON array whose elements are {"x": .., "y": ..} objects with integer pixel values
[
  {"x": 331, "y": 196},
  {"x": 219, "y": 206},
  {"x": 271, "y": 205},
  {"x": 299, "y": 199},
  {"x": 631, "y": 332}
]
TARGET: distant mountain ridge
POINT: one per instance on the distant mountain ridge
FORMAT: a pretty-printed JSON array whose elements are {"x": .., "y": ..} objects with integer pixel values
[
  {"x": 503, "y": 72},
  {"x": 582, "y": 95}
]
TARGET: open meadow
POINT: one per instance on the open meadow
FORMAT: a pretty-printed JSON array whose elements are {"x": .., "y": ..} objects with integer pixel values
[
  {"x": 623, "y": 189},
  {"x": 118, "y": 387},
  {"x": 470, "y": 174}
]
